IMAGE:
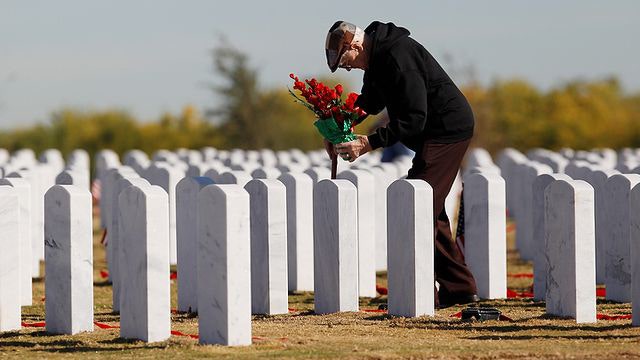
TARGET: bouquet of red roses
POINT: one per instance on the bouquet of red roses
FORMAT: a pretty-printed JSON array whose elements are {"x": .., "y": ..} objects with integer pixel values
[{"x": 336, "y": 118}]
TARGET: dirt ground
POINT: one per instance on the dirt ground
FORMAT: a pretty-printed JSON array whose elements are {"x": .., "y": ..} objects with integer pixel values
[{"x": 367, "y": 334}]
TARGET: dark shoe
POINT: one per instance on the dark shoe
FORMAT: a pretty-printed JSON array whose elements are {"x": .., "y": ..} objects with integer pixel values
[{"x": 458, "y": 300}]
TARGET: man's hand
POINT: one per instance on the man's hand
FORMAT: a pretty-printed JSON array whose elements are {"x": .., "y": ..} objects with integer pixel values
[{"x": 352, "y": 150}]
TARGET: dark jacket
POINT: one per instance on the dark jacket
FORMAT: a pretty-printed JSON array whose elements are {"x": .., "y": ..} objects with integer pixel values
[{"x": 424, "y": 105}]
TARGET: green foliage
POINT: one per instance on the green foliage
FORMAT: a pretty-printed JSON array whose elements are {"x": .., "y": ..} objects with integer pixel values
[
  {"x": 579, "y": 114},
  {"x": 252, "y": 118}
]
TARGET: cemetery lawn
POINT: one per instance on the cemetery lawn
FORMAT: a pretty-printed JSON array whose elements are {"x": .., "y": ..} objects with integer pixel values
[{"x": 301, "y": 334}]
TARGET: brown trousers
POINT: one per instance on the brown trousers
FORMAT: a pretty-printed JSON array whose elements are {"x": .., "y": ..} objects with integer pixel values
[{"x": 438, "y": 165}]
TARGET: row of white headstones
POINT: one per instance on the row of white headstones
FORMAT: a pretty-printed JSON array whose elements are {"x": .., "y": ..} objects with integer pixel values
[
  {"x": 242, "y": 243},
  {"x": 578, "y": 221}
]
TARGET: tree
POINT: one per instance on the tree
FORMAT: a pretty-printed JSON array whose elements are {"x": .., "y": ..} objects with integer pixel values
[{"x": 251, "y": 118}]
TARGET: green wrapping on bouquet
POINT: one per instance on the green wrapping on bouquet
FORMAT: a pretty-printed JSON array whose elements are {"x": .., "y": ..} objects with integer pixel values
[{"x": 331, "y": 131}]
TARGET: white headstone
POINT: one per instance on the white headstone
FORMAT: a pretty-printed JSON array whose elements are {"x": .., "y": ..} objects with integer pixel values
[
  {"x": 10, "y": 280},
  {"x": 36, "y": 214},
  {"x": 365, "y": 184},
  {"x": 318, "y": 173},
  {"x": 410, "y": 248},
  {"x": 71, "y": 177},
  {"x": 115, "y": 247},
  {"x": 485, "y": 233},
  {"x": 68, "y": 238},
  {"x": 198, "y": 169},
  {"x": 266, "y": 173},
  {"x": 224, "y": 276},
  {"x": 136, "y": 159},
  {"x": 299, "y": 230},
  {"x": 540, "y": 265},
  {"x": 145, "y": 312},
  {"x": 187, "y": 240},
  {"x": 335, "y": 246},
  {"x": 105, "y": 160},
  {"x": 236, "y": 177},
  {"x": 570, "y": 248},
  {"x": 167, "y": 177},
  {"x": 54, "y": 159},
  {"x": 617, "y": 275},
  {"x": 79, "y": 159},
  {"x": 27, "y": 262},
  {"x": 380, "y": 198},
  {"x": 268, "y": 209},
  {"x": 4, "y": 156},
  {"x": 110, "y": 199},
  {"x": 598, "y": 180},
  {"x": 635, "y": 254},
  {"x": 524, "y": 231}
]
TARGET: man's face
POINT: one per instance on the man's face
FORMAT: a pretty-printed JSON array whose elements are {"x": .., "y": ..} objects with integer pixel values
[{"x": 348, "y": 57}]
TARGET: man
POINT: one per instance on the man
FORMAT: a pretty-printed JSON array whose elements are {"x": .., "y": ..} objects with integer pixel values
[{"x": 427, "y": 113}]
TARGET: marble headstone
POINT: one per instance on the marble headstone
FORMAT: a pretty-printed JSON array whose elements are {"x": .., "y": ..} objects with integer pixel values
[
  {"x": 299, "y": 230},
  {"x": 485, "y": 233},
  {"x": 28, "y": 264},
  {"x": 266, "y": 173},
  {"x": 318, "y": 173},
  {"x": 237, "y": 177},
  {"x": 335, "y": 246},
  {"x": 380, "y": 199},
  {"x": 167, "y": 177},
  {"x": 224, "y": 276},
  {"x": 598, "y": 179},
  {"x": 68, "y": 238},
  {"x": 187, "y": 240},
  {"x": 10, "y": 281},
  {"x": 617, "y": 274},
  {"x": 365, "y": 184},
  {"x": 268, "y": 209},
  {"x": 635, "y": 254},
  {"x": 410, "y": 248},
  {"x": 145, "y": 312},
  {"x": 570, "y": 248},
  {"x": 115, "y": 247},
  {"x": 540, "y": 265}
]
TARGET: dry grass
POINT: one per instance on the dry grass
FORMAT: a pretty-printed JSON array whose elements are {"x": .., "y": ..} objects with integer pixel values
[{"x": 301, "y": 334}]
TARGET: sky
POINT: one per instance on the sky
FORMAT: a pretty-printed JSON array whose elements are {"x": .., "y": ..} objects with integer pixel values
[{"x": 153, "y": 56}]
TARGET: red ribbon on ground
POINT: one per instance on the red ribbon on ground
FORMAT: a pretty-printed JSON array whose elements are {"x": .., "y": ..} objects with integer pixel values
[
  {"x": 105, "y": 326},
  {"x": 374, "y": 310},
  {"x": 613, "y": 317},
  {"x": 35, "y": 324},
  {"x": 521, "y": 275}
]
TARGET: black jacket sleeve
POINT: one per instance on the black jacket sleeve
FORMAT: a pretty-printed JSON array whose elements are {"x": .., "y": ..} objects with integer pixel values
[
  {"x": 407, "y": 92},
  {"x": 369, "y": 101}
]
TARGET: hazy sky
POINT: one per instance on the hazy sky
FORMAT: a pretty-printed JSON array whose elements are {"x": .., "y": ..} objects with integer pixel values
[{"x": 153, "y": 56}]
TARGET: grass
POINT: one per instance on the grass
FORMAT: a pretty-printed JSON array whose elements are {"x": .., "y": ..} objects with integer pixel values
[{"x": 302, "y": 334}]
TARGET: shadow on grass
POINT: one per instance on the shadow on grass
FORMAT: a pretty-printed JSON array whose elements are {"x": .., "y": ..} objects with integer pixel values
[
  {"x": 105, "y": 283},
  {"x": 55, "y": 345}
]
